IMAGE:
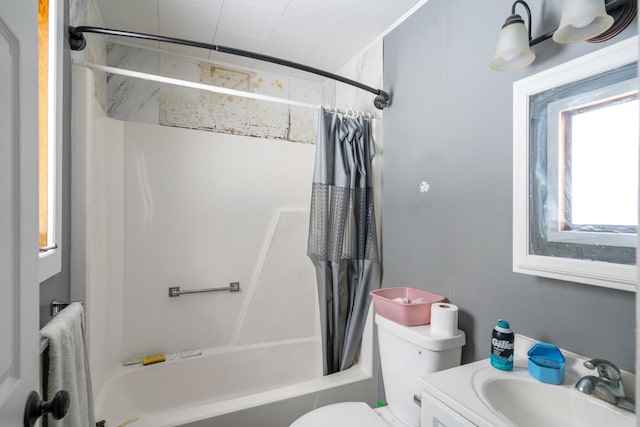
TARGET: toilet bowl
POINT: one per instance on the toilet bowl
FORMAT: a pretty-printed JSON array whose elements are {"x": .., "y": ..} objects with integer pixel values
[
  {"x": 406, "y": 354},
  {"x": 347, "y": 414}
]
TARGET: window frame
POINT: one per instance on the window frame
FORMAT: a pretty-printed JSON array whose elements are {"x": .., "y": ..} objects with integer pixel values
[
  {"x": 597, "y": 273},
  {"x": 50, "y": 260}
]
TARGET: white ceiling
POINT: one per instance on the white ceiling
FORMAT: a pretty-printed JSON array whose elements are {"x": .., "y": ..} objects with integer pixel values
[{"x": 320, "y": 33}]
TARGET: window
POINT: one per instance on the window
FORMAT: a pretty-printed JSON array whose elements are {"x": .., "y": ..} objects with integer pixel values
[
  {"x": 601, "y": 185},
  {"x": 576, "y": 169},
  {"x": 50, "y": 134},
  {"x": 592, "y": 141}
]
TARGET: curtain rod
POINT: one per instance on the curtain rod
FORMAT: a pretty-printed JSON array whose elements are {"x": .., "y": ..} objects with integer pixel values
[
  {"x": 77, "y": 41},
  {"x": 206, "y": 87}
]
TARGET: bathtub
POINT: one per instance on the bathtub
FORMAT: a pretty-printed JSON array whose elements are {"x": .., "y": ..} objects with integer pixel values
[{"x": 262, "y": 385}]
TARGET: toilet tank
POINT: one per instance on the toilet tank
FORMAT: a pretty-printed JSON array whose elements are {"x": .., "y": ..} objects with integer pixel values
[{"x": 408, "y": 353}]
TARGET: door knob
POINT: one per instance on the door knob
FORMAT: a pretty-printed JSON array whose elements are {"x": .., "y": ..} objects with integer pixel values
[{"x": 35, "y": 407}]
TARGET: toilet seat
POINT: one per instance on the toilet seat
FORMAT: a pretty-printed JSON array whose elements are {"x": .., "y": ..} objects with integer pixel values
[{"x": 347, "y": 414}]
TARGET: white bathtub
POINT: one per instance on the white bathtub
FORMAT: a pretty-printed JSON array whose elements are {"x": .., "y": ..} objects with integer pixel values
[{"x": 261, "y": 385}]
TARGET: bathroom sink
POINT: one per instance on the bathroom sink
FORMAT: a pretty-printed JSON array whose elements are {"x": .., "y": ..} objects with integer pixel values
[
  {"x": 526, "y": 402},
  {"x": 477, "y": 394}
]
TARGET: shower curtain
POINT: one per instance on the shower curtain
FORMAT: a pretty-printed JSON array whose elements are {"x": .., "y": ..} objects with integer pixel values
[{"x": 342, "y": 234}]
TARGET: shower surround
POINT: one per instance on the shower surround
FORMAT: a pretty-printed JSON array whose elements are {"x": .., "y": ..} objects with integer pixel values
[
  {"x": 156, "y": 206},
  {"x": 166, "y": 206}
]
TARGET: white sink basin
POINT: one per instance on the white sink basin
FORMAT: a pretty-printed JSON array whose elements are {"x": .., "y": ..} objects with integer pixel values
[
  {"x": 478, "y": 394},
  {"x": 529, "y": 403}
]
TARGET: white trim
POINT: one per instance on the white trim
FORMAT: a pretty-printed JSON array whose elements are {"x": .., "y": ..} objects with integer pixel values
[
  {"x": 610, "y": 275},
  {"x": 50, "y": 262}
]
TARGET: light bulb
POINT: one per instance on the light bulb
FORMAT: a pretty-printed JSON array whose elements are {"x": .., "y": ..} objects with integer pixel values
[
  {"x": 510, "y": 56},
  {"x": 583, "y": 22}
]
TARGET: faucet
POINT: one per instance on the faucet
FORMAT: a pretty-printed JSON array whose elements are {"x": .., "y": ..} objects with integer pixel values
[{"x": 607, "y": 385}]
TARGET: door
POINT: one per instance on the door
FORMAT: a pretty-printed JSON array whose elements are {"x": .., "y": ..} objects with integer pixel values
[{"x": 18, "y": 208}]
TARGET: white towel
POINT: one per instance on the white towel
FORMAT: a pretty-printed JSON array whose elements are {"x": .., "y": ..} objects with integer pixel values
[{"x": 69, "y": 366}]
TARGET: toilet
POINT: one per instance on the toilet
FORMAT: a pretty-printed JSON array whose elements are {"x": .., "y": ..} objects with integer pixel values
[{"x": 406, "y": 354}]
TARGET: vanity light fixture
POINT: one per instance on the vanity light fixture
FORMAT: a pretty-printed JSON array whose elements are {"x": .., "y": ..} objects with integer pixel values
[
  {"x": 513, "y": 50},
  {"x": 582, "y": 20}
]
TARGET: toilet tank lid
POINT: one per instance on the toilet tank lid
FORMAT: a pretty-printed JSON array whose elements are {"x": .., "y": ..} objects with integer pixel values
[{"x": 422, "y": 336}]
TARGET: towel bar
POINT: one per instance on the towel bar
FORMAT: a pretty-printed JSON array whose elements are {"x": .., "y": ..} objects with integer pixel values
[
  {"x": 44, "y": 344},
  {"x": 176, "y": 292},
  {"x": 55, "y": 306}
]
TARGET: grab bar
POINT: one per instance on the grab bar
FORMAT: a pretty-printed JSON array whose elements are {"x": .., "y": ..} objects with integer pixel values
[{"x": 175, "y": 291}]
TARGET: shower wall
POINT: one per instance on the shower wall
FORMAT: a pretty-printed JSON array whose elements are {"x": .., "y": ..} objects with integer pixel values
[
  {"x": 97, "y": 218},
  {"x": 203, "y": 210},
  {"x": 158, "y": 206}
]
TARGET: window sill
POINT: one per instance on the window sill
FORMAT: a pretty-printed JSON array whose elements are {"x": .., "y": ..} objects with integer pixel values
[
  {"x": 625, "y": 240},
  {"x": 596, "y": 273},
  {"x": 49, "y": 264}
]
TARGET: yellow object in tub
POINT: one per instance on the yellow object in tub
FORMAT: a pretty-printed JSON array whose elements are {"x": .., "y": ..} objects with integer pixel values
[
  {"x": 126, "y": 423},
  {"x": 156, "y": 358}
]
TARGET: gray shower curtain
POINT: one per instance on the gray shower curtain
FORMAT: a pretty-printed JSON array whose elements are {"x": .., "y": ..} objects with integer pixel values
[{"x": 342, "y": 234}]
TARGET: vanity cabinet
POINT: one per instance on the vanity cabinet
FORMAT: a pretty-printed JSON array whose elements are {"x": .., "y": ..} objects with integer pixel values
[{"x": 437, "y": 414}]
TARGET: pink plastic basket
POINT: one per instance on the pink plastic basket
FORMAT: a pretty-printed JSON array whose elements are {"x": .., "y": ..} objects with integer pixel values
[{"x": 405, "y": 314}]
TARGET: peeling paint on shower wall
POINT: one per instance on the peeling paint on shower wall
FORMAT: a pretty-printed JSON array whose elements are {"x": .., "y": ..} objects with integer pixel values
[
  {"x": 138, "y": 100},
  {"x": 302, "y": 125},
  {"x": 219, "y": 112}
]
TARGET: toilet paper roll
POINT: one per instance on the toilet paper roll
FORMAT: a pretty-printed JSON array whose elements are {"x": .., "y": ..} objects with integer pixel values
[{"x": 444, "y": 319}]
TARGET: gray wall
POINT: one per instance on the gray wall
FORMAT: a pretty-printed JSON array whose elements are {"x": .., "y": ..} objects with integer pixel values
[
  {"x": 450, "y": 125},
  {"x": 58, "y": 286}
]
